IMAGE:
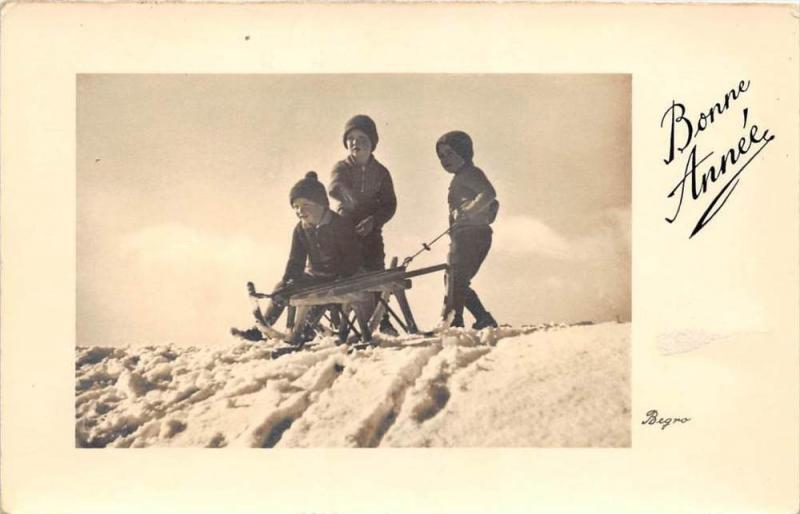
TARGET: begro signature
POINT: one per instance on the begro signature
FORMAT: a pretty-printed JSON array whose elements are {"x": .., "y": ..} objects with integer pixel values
[
  {"x": 652, "y": 418},
  {"x": 683, "y": 134}
]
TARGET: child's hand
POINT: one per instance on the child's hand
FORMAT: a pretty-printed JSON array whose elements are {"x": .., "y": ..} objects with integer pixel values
[
  {"x": 466, "y": 208},
  {"x": 461, "y": 213},
  {"x": 365, "y": 226},
  {"x": 347, "y": 202}
]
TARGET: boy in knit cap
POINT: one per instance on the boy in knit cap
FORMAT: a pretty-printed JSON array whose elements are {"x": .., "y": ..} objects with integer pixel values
[
  {"x": 324, "y": 248},
  {"x": 364, "y": 189},
  {"x": 473, "y": 206}
]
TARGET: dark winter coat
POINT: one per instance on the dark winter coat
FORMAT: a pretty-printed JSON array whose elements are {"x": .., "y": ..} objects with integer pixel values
[
  {"x": 329, "y": 250},
  {"x": 370, "y": 187},
  {"x": 467, "y": 183}
]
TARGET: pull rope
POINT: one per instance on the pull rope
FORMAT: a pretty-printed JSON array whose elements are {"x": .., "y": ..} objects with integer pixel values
[{"x": 425, "y": 247}]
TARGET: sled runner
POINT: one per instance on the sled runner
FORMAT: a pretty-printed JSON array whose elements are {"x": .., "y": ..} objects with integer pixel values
[{"x": 348, "y": 305}]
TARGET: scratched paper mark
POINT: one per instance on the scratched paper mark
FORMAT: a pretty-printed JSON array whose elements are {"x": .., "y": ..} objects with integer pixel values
[{"x": 682, "y": 341}]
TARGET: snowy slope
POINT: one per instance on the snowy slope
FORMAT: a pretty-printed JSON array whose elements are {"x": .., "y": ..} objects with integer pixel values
[{"x": 546, "y": 385}]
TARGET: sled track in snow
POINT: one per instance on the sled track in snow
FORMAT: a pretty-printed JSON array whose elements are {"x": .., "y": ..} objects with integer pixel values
[
  {"x": 269, "y": 433},
  {"x": 436, "y": 391},
  {"x": 427, "y": 377},
  {"x": 461, "y": 355},
  {"x": 420, "y": 389},
  {"x": 383, "y": 416}
]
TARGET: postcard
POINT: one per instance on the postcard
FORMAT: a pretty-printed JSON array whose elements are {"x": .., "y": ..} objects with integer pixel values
[{"x": 428, "y": 257}]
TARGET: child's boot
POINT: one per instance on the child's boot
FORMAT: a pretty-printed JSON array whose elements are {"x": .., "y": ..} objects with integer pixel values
[
  {"x": 387, "y": 328},
  {"x": 251, "y": 334},
  {"x": 485, "y": 321},
  {"x": 483, "y": 318}
]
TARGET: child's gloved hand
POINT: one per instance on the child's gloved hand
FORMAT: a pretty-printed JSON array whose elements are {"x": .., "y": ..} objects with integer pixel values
[
  {"x": 347, "y": 203},
  {"x": 462, "y": 213},
  {"x": 279, "y": 296},
  {"x": 365, "y": 226}
]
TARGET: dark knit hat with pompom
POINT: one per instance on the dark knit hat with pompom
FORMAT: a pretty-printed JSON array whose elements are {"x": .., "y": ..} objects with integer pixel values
[
  {"x": 363, "y": 123},
  {"x": 309, "y": 188},
  {"x": 459, "y": 141}
]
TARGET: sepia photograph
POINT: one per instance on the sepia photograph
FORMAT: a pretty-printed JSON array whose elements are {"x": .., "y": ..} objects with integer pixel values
[
  {"x": 353, "y": 260},
  {"x": 402, "y": 257}
]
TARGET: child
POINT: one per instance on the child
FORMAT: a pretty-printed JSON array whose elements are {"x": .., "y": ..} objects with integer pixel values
[
  {"x": 364, "y": 189},
  {"x": 324, "y": 248},
  {"x": 473, "y": 206}
]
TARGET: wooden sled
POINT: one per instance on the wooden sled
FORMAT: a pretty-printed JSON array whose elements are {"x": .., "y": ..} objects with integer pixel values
[{"x": 355, "y": 304}]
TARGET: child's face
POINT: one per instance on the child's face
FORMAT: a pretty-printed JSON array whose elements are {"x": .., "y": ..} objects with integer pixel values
[
  {"x": 359, "y": 145},
  {"x": 309, "y": 213},
  {"x": 451, "y": 161}
]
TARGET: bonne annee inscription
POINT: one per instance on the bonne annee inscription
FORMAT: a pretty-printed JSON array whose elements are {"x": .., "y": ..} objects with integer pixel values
[{"x": 709, "y": 176}]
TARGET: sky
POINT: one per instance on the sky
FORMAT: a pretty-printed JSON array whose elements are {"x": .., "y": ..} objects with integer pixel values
[{"x": 183, "y": 184}]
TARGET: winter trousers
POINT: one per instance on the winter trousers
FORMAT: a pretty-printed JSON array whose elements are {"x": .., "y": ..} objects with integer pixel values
[
  {"x": 469, "y": 246},
  {"x": 373, "y": 254},
  {"x": 372, "y": 251}
]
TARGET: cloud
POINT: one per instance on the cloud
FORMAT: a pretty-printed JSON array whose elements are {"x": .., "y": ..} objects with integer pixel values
[
  {"x": 528, "y": 236},
  {"x": 609, "y": 238},
  {"x": 525, "y": 235},
  {"x": 177, "y": 245},
  {"x": 174, "y": 282},
  {"x": 549, "y": 275}
]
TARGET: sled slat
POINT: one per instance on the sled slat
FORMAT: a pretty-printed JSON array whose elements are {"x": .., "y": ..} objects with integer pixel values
[{"x": 325, "y": 299}]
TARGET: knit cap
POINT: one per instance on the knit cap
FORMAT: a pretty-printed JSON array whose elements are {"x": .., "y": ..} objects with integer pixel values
[
  {"x": 459, "y": 141},
  {"x": 363, "y": 123},
  {"x": 309, "y": 188}
]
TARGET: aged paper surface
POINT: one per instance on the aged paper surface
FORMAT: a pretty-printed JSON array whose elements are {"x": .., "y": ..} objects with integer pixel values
[{"x": 714, "y": 317}]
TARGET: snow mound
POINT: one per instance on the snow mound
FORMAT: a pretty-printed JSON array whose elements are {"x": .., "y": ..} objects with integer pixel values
[{"x": 534, "y": 386}]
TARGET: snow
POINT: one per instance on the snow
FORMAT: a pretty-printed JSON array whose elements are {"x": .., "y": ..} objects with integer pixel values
[{"x": 534, "y": 386}]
